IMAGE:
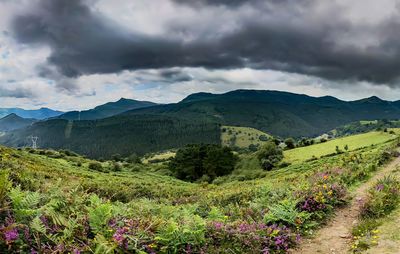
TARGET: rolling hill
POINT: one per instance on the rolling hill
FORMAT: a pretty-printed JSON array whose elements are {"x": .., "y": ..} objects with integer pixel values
[
  {"x": 198, "y": 118},
  {"x": 278, "y": 113},
  {"x": 14, "y": 122},
  {"x": 40, "y": 114},
  {"x": 106, "y": 110}
]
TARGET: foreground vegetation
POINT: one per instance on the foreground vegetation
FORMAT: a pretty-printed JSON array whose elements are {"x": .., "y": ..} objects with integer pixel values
[{"x": 60, "y": 202}]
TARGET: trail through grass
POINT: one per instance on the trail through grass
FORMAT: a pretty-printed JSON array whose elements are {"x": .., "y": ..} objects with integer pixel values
[{"x": 335, "y": 237}]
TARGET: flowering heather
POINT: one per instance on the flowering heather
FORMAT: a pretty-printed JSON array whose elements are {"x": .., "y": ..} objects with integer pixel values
[
  {"x": 11, "y": 235},
  {"x": 254, "y": 236}
]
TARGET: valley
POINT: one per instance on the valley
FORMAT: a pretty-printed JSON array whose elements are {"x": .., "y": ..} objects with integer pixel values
[{"x": 173, "y": 179}]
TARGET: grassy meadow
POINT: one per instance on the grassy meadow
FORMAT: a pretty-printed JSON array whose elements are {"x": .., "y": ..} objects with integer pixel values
[{"x": 353, "y": 142}]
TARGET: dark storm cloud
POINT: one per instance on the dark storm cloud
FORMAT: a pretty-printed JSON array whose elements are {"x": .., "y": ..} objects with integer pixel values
[
  {"x": 85, "y": 42},
  {"x": 175, "y": 75}
]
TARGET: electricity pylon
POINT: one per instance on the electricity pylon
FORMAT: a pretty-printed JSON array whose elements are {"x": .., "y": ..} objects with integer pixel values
[{"x": 34, "y": 141}]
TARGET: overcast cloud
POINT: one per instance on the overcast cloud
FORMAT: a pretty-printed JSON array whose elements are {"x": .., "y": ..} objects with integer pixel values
[{"x": 69, "y": 54}]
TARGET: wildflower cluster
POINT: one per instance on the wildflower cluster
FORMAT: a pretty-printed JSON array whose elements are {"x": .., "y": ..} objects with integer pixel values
[
  {"x": 324, "y": 193},
  {"x": 133, "y": 235},
  {"x": 363, "y": 241},
  {"x": 255, "y": 236}
]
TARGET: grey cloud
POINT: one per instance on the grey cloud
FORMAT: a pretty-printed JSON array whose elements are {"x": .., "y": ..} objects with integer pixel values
[
  {"x": 17, "y": 93},
  {"x": 85, "y": 42}
]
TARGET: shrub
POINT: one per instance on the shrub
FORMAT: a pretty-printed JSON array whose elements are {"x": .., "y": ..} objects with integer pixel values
[
  {"x": 116, "y": 157},
  {"x": 133, "y": 158},
  {"x": 263, "y": 138},
  {"x": 194, "y": 161},
  {"x": 290, "y": 143},
  {"x": 270, "y": 155},
  {"x": 383, "y": 199},
  {"x": 96, "y": 166},
  {"x": 244, "y": 236}
]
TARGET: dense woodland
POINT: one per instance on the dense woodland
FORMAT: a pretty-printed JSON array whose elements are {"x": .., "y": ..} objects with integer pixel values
[{"x": 123, "y": 135}]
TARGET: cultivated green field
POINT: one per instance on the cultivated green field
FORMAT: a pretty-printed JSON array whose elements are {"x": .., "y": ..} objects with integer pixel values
[
  {"x": 242, "y": 136},
  {"x": 353, "y": 142}
]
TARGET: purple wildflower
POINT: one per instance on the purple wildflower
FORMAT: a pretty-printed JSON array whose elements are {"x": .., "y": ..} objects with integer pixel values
[
  {"x": 380, "y": 187},
  {"x": 11, "y": 235}
]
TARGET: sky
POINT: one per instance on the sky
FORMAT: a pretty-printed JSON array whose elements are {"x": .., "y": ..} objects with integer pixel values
[{"x": 76, "y": 54}]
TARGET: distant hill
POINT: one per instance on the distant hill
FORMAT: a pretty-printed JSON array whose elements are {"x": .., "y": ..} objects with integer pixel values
[
  {"x": 40, "y": 114},
  {"x": 198, "y": 119},
  {"x": 278, "y": 113},
  {"x": 14, "y": 122},
  {"x": 106, "y": 110}
]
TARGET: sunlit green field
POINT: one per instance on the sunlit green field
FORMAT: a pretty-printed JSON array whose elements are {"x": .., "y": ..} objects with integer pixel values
[
  {"x": 242, "y": 136},
  {"x": 353, "y": 142}
]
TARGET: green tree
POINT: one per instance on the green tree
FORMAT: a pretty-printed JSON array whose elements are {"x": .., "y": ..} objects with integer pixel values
[
  {"x": 202, "y": 161},
  {"x": 290, "y": 143},
  {"x": 270, "y": 155}
]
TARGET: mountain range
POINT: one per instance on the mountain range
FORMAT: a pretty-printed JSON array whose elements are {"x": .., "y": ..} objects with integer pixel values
[
  {"x": 40, "y": 114},
  {"x": 198, "y": 118}
]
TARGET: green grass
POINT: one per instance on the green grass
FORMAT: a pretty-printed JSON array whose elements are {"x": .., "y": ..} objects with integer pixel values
[
  {"x": 241, "y": 137},
  {"x": 369, "y": 122},
  {"x": 167, "y": 211},
  {"x": 354, "y": 142},
  {"x": 159, "y": 157}
]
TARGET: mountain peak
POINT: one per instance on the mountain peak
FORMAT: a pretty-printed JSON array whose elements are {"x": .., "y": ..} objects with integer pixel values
[
  {"x": 372, "y": 99},
  {"x": 12, "y": 116}
]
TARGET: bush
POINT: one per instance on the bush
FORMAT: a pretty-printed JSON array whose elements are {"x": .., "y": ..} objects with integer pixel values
[
  {"x": 384, "y": 198},
  {"x": 133, "y": 158},
  {"x": 270, "y": 155},
  {"x": 96, "y": 166},
  {"x": 194, "y": 161},
  {"x": 290, "y": 143}
]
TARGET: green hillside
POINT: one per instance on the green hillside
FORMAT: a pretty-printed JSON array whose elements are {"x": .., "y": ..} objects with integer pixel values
[
  {"x": 278, "y": 113},
  {"x": 197, "y": 119},
  {"x": 14, "y": 122},
  {"x": 122, "y": 135},
  {"x": 52, "y": 198},
  {"x": 354, "y": 142}
]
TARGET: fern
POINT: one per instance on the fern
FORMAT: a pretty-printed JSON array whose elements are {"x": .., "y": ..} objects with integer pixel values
[
  {"x": 99, "y": 214},
  {"x": 25, "y": 204},
  {"x": 103, "y": 246},
  {"x": 37, "y": 225},
  {"x": 5, "y": 185},
  {"x": 286, "y": 212}
]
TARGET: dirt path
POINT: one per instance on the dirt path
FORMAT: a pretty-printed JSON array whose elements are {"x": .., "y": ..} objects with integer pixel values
[{"x": 334, "y": 238}]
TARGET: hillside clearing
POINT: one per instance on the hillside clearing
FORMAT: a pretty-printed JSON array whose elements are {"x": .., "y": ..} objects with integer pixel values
[{"x": 242, "y": 137}]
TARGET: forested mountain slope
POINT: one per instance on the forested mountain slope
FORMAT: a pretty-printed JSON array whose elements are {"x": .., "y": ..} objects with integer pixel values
[
  {"x": 123, "y": 134},
  {"x": 13, "y": 122}
]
